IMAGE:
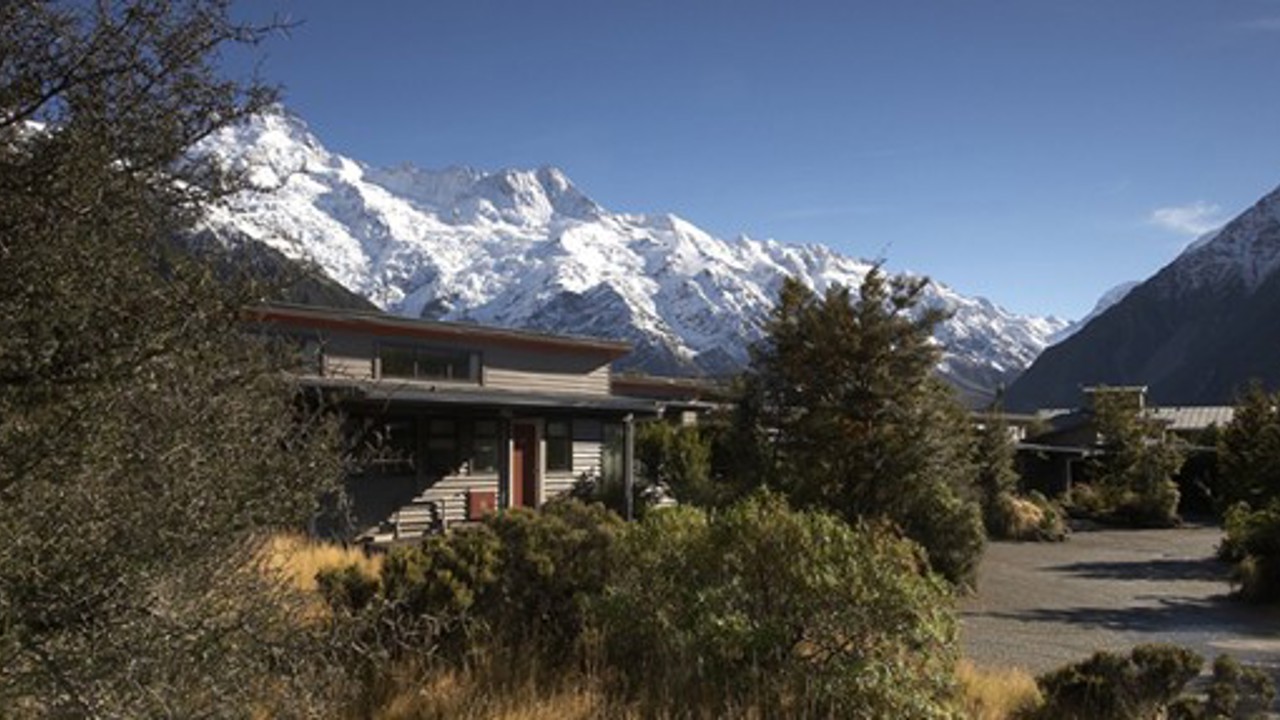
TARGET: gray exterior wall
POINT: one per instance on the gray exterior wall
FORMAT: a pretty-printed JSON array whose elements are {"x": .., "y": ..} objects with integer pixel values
[{"x": 531, "y": 370}]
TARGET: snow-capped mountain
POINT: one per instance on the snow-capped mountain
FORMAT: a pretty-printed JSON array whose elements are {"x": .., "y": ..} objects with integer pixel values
[
  {"x": 526, "y": 248},
  {"x": 1194, "y": 333}
]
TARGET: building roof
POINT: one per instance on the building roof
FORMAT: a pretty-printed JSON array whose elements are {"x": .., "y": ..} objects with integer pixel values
[
  {"x": 427, "y": 395},
  {"x": 688, "y": 390},
  {"x": 1194, "y": 417},
  {"x": 378, "y": 323}
]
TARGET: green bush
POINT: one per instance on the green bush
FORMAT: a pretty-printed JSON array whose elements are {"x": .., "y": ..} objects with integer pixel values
[
  {"x": 554, "y": 562},
  {"x": 1109, "y": 686},
  {"x": 347, "y": 587},
  {"x": 790, "y": 613},
  {"x": 1252, "y": 542},
  {"x": 519, "y": 583},
  {"x": 678, "y": 460},
  {"x": 1238, "y": 691}
]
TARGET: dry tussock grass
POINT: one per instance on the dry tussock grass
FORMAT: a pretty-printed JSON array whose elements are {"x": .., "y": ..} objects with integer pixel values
[
  {"x": 453, "y": 694},
  {"x": 1025, "y": 517},
  {"x": 996, "y": 693},
  {"x": 298, "y": 559}
]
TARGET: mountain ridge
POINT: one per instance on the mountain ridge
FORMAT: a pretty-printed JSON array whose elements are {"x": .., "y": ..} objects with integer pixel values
[
  {"x": 1195, "y": 332},
  {"x": 528, "y": 248}
]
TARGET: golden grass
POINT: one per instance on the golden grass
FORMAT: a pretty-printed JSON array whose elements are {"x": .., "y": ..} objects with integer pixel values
[
  {"x": 1026, "y": 517},
  {"x": 298, "y": 559},
  {"x": 996, "y": 693},
  {"x": 454, "y": 694}
]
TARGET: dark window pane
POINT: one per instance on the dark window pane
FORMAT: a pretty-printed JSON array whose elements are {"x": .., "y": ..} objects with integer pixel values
[
  {"x": 559, "y": 446},
  {"x": 402, "y": 361},
  {"x": 436, "y": 365},
  {"x": 442, "y": 447},
  {"x": 484, "y": 447},
  {"x": 612, "y": 456},
  {"x": 397, "y": 361}
]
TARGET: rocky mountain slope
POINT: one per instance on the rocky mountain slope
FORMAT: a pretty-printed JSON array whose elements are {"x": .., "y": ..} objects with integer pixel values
[
  {"x": 526, "y": 248},
  {"x": 1194, "y": 333}
]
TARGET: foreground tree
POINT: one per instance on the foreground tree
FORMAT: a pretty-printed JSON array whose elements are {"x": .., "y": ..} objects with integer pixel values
[
  {"x": 841, "y": 411},
  {"x": 145, "y": 443}
]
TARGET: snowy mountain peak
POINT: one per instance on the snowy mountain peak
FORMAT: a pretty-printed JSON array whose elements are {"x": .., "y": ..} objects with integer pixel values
[
  {"x": 1245, "y": 250},
  {"x": 526, "y": 248}
]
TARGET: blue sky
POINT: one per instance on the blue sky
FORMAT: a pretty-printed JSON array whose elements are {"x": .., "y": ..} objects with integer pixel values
[{"x": 1037, "y": 153}]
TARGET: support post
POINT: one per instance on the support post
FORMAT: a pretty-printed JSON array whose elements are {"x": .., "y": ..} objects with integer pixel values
[{"x": 629, "y": 463}]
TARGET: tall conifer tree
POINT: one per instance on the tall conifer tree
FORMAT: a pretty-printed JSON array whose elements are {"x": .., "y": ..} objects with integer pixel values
[{"x": 853, "y": 420}]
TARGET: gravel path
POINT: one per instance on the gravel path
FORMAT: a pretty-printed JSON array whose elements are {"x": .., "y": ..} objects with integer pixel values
[{"x": 1042, "y": 605}]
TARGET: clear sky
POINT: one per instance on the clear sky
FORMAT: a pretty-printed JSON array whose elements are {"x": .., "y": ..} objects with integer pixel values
[{"x": 1037, "y": 153}]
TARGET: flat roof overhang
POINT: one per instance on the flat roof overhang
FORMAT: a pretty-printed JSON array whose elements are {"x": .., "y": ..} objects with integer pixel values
[
  {"x": 383, "y": 324},
  {"x": 435, "y": 396}
]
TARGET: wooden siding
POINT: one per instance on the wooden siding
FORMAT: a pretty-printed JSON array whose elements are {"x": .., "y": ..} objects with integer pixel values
[
  {"x": 450, "y": 494},
  {"x": 504, "y": 369},
  {"x": 586, "y": 461},
  {"x": 354, "y": 356}
]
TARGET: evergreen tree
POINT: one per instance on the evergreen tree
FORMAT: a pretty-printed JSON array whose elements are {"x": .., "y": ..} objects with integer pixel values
[
  {"x": 997, "y": 477},
  {"x": 847, "y": 415},
  {"x": 1249, "y": 452},
  {"x": 1137, "y": 463},
  {"x": 145, "y": 442}
]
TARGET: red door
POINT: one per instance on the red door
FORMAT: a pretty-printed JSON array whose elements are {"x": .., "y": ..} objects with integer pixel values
[{"x": 524, "y": 466}]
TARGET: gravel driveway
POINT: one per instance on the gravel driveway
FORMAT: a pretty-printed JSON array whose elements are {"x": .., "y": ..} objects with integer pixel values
[{"x": 1041, "y": 605}]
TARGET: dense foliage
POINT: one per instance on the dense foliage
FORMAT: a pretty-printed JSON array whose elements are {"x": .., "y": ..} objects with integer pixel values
[
  {"x": 841, "y": 411},
  {"x": 1249, "y": 452},
  {"x": 1252, "y": 545},
  {"x": 1133, "y": 475},
  {"x": 145, "y": 442},
  {"x": 795, "y": 614},
  {"x": 686, "y": 611},
  {"x": 1108, "y": 686},
  {"x": 1151, "y": 682},
  {"x": 1248, "y": 492},
  {"x": 1007, "y": 514}
]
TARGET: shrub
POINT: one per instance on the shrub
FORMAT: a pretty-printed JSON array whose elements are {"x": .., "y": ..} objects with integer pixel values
[
  {"x": 611, "y": 492},
  {"x": 519, "y": 583},
  {"x": 553, "y": 562},
  {"x": 678, "y": 460},
  {"x": 347, "y": 586},
  {"x": 1252, "y": 542},
  {"x": 1033, "y": 517},
  {"x": 1238, "y": 691},
  {"x": 792, "y": 613},
  {"x": 1109, "y": 686}
]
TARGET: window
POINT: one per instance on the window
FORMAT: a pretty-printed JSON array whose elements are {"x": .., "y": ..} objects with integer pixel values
[
  {"x": 442, "y": 447},
  {"x": 611, "y": 461},
  {"x": 559, "y": 446},
  {"x": 391, "y": 446},
  {"x": 415, "y": 363},
  {"x": 484, "y": 447}
]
